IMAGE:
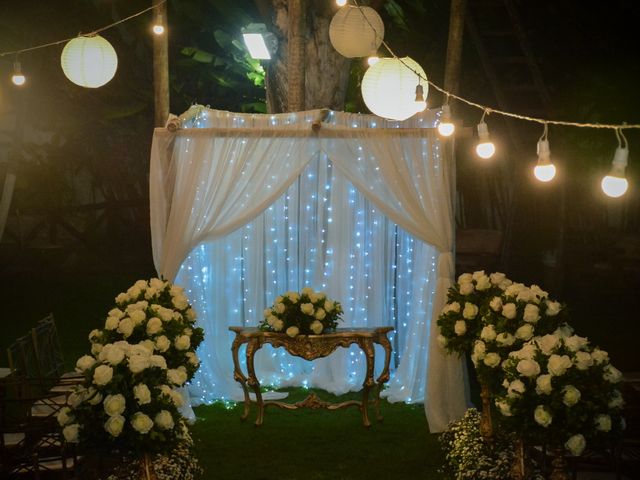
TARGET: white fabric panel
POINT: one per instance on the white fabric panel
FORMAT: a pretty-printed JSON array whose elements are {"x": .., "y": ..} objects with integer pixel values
[{"x": 369, "y": 221}]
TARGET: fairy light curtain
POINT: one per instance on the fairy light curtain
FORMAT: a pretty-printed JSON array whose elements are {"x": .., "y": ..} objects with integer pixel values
[{"x": 245, "y": 207}]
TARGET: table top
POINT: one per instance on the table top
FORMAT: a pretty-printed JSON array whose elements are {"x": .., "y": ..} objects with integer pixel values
[{"x": 338, "y": 332}]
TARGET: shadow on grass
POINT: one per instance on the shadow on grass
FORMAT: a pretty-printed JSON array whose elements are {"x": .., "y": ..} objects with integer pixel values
[{"x": 316, "y": 444}]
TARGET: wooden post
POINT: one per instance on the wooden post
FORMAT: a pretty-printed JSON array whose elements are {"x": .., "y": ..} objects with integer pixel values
[
  {"x": 454, "y": 45},
  {"x": 296, "y": 60},
  {"x": 161, "y": 68}
]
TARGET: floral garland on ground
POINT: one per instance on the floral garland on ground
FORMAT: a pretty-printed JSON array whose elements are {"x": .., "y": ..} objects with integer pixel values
[
  {"x": 560, "y": 391},
  {"x": 307, "y": 313},
  {"x": 129, "y": 398}
]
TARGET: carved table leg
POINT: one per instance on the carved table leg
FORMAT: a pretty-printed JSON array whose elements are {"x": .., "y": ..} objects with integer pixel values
[
  {"x": 253, "y": 382},
  {"x": 238, "y": 376},
  {"x": 367, "y": 347},
  {"x": 384, "y": 376}
]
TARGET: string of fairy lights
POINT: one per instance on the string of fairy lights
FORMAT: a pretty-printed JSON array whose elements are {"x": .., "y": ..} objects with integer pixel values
[{"x": 393, "y": 87}]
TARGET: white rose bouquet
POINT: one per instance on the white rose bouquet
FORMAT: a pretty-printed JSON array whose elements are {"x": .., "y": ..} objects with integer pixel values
[
  {"x": 129, "y": 399},
  {"x": 307, "y": 313},
  {"x": 560, "y": 391}
]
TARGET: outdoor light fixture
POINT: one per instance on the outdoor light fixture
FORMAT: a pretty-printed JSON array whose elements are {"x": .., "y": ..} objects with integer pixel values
[
  {"x": 341, "y": 3},
  {"x": 261, "y": 43},
  {"x": 18, "y": 77},
  {"x": 544, "y": 170},
  {"x": 373, "y": 59},
  {"x": 485, "y": 148},
  {"x": 446, "y": 126},
  {"x": 158, "y": 26},
  {"x": 421, "y": 103},
  {"x": 89, "y": 61},
  {"x": 615, "y": 184}
]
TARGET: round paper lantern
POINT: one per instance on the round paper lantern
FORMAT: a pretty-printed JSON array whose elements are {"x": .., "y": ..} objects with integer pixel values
[
  {"x": 353, "y": 35},
  {"x": 89, "y": 61},
  {"x": 389, "y": 87}
]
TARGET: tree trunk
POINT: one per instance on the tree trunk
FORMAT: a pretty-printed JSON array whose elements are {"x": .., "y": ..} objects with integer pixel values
[{"x": 326, "y": 72}]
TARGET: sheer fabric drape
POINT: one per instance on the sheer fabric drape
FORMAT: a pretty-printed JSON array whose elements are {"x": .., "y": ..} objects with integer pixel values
[{"x": 368, "y": 221}]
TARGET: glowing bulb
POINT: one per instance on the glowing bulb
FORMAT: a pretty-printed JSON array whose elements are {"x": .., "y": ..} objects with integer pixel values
[
  {"x": 485, "y": 148},
  {"x": 544, "y": 170},
  {"x": 341, "y": 3},
  {"x": 18, "y": 78},
  {"x": 158, "y": 29},
  {"x": 372, "y": 60},
  {"x": 446, "y": 126},
  {"x": 421, "y": 104},
  {"x": 614, "y": 184}
]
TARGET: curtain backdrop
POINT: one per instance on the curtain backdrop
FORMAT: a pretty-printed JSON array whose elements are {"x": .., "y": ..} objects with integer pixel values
[{"x": 245, "y": 207}]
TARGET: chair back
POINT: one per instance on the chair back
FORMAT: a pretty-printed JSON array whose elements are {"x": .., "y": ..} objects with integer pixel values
[{"x": 47, "y": 347}]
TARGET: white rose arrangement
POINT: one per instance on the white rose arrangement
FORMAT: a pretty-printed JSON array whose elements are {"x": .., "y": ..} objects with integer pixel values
[
  {"x": 305, "y": 313},
  {"x": 559, "y": 391},
  {"x": 129, "y": 399}
]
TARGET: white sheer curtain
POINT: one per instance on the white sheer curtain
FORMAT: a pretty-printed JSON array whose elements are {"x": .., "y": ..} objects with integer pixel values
[{"x": 322, "y": 232}]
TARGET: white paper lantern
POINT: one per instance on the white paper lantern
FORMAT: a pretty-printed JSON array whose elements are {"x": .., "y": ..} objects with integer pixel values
[
  {"x": 89, "y": 61},
  {"x": 353, "y": 35},
  {"x": 389, "y": 87}
]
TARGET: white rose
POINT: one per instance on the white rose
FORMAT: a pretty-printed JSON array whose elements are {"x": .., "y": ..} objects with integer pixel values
[
  {"x": 164, "y": 420},
  {"x": 162, "y": 343},
  {"x": 451, "y": 307},
  {"x": 138, "y": 363},
  {"x": 141, "y": 284},
  {"x": 514, "y": 289},
  {"x": 612, "y": 374},
  {"x": 71, "y": 432},
  {"x": 85, "y": 363},
  {"x": 528, "y": 368},
  {"x": 477, "y": 274},
  {"x": 483, "y": 283},
  {"x": 466, "y": 288},
  {"x": 558, "y": 364},
  {"x": 307, "y": 308},
  {"x": 531, "y": 313},
  {"x": 571, "y": 395},
  {"x": 116, "y": 312},
  {"x": 154, "y": 325},
  {"x": 191, "y": 314},
  {"x": 583, "y": 360},
  {"x": 271, "y": 320},
  {"x": 603, "y": 423},
  {"x": 280, "y": 307},
  {"x": 575, "y": 343},
  {"x": 543, "y": 384},
  {"x": 96, "y": 348},
  {"x": 496, "y": 304},
  {"x": 504, "y": 407},
  {"x": 320, "y": 314},
  {"x": 616, "y": 400},
  {"x": 488, "y": 333},
  {"x": 314, "y": 298},
  {"x": 125, "y": 327},
  {"x": 141, "y": 422},
  {"x": 151, "y": 293},
  {"x": 307, "y": 291},
  {"x": 542, "y": 416},
  {"x": 509, "y": 311},
  {"x": 479, "y": 349},
  {"x": 516, "y": 388},
  {"x": 122, "y": 298},
  {"x": 114, "y": 404},
  {"x": 76, "y": 398},
  {"x": 165, "y": 314},
  {"x": 492, "y": 360},
  {"x": 102, "y": 375},
  {"x": 317, "y": 327},
  {"x": 293, "y": 331},
  {"x": 548, "y": 343},
  {"x": 176, "y": 290},
  {"x": 576, "y": 444},
  {"x": 134, "y": 292},
  {"x": 328, "y": 305},
  {"x": 111, "y": 323},
  {"x": 192, "y": 358},
  {"x": 460, "y": 327},
  {"x": 114, "y": 425},
  {"x": 183, "y": 342},
  {"x": 470, "y": 311},
  {"x": 111, "y": 354},
  {"x": 497, "y": 278},
  {"x": 65, "y": 416},
  {"x": 157, "y": 283},
  {"x": 526, "y": 295},
  {"x": 95, "y": 335},
  {"x": 539, "y": 292},
  {"x": 505, "y": 339},
  {"x": 553, "y": 308},
  {"x": 506, "y": 283},
  {"x": 599, "y": 356},
  {"x": 527, "y": 352},
  {"x": 293, "y": 297},
  {"x": 158, "y": 361},
  {"x": 93, "y": 396},
  {"x": 180, "y": 302},
  {"x": 525, "y": 332},
  {"x": 177, "y": 376},
  {"x": 142, "y": 394},
  {"x": 278, "y": 325},
  {"x": 442, "y": 340},
  {"x": 465, "y": 278},
  {"x": 138, "y": 316},
  {"x": 266, "y": 313}
]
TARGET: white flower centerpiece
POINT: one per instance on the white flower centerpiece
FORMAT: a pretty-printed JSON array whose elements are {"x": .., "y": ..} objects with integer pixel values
[
  {"x": 129, "y": 399},
  {"x": 560, "y": 391},
  {"x": 305, "y": 313}
]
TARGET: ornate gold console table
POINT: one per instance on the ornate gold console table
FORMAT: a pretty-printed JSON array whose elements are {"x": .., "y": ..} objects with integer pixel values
[{"x": 311, "y": 347}]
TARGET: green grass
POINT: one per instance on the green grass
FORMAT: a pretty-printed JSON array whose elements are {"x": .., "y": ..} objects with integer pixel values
[{"x": 316, "y": 444}]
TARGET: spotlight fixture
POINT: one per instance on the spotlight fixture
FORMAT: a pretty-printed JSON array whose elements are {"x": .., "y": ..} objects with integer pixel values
[{"x": 261, "y": 43}]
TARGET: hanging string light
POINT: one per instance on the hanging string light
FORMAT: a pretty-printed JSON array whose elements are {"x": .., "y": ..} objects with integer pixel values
[
  {"x": 421, "y": 103},
  {"x": 18, "y": 77},
  {"x": 615, "y": 184},
  {"x": 485, "y": 148},
  {"x": 158, "y": 24},
  {"x": 373, "y": 59},
  {"x": 544, "y": 171},
  {"x": 341, "y": 3},
  {"x": 446, "y": 127}
]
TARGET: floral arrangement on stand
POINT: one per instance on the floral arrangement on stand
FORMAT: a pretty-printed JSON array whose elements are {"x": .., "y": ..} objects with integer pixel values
[
  {"x": 130, "y": 399},
  {"x": 562, "y": 392},
  {"x": 307, "y": 313}
]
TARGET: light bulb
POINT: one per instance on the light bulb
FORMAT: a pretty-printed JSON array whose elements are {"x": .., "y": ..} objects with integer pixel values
[
  {"x": 446, "y": 126},
  {"x": 341, "y": 3},
  {"x": 485, "y": 148},
  {"x": 421, "y": 104},
  {"x": 544, "y": 170},
  {"x": 158, "y": 26},
  {"x": 372, "y": 60},
  {"x": 18, "y": 78},
  {"x": 614, "y": 184}
]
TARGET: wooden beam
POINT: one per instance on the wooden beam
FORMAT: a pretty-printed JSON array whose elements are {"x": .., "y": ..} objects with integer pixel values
[
  {"x": 296, "y": 60},
  {"x": 454, "y": 45},
  {"x": 161, "y": 68}
]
